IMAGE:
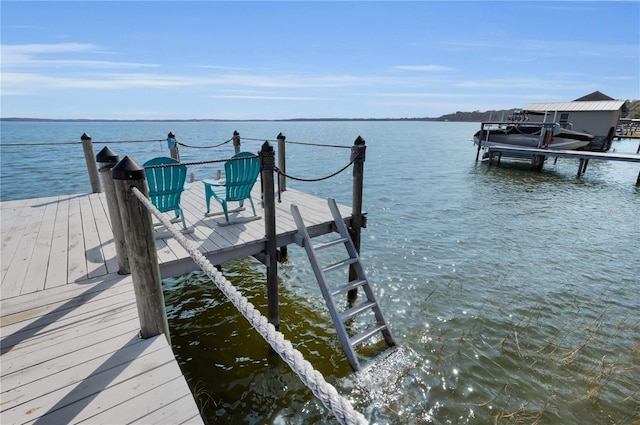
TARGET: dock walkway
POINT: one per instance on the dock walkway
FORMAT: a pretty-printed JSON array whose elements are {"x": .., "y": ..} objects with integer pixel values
[{"x": 70, "y": 346}]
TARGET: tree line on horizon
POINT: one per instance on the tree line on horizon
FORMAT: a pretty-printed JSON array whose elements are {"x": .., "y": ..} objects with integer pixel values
[{"x": 633, "y": 112}]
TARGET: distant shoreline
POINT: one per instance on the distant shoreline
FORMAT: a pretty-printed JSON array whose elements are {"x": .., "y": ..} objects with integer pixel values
[
  {"x": 475, "y": 116},
  {"x": 215, "y": 120}
]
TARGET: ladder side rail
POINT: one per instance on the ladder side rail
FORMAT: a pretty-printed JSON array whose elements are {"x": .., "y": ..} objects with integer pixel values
[
  {"x": 342, "y": 229},
  {"x": 343, "y": 336}
]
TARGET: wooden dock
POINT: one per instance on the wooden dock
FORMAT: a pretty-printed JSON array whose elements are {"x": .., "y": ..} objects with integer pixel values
[{"x": 70, "y": 346}]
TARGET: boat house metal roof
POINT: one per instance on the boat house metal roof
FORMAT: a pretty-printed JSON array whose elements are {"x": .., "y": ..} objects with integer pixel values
[{"x": 584, "y": 106}]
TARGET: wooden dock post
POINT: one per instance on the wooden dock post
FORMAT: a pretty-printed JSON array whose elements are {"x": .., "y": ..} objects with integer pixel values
[
  {"x": 267, "y": 165},
  {"x": 358, "y": 151},
  {"x": 143, "y": 258},
  {"x": 172, "y": 143},
  {"x": 236, "y": 142},
  {"x": 92, "y": 168},
  {"x": 108, "y": 159},
  {"x": 282, "y": 162}
]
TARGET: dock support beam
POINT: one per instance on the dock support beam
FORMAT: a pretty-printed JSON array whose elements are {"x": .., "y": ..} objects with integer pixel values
[
  {"x": 267, "y": 165},
  {"x": 143, "y": 257},
  {"x": 92, "y": 168},
  {"x": 108, "y": 159},
  {"x": 358, "y": 151}
]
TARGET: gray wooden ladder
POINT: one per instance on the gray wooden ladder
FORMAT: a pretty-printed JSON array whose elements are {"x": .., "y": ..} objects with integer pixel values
[{"x": 369, "y": 304}]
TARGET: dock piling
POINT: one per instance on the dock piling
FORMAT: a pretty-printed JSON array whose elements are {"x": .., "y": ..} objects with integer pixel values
[
  {"x": 236, "y": 142},
  {"x": 282, "y": 163},
  {"x": 172, "y": 143},
  {"x": 267, "y": 165},
  {"x": 143, "y": 258},
  {"x": 92, "y": 168},
  {"x": 108, "y": 159},
  {"x": 358, "y": 151}
]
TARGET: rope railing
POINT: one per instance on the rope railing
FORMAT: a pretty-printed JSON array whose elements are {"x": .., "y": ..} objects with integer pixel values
[
  {"x": 325, "y": 392},
  {"x": 204, "y": 147},
  {"x": 298, "y": 143},
  {"x": 317, "y": 179},
  {"x": 218, "y": 161},
  {"x": 193, "y": 163}
]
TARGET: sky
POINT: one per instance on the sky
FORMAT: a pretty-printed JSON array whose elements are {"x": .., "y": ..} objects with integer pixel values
[{"x": 241, "y": 60}]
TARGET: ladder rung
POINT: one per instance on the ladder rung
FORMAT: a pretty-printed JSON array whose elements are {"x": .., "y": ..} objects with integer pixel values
[
  {"x": 342, "y": 263},
  {"x": 349, "y": 286},
  {"x": 354, "y": 311},
  {"x": 330, "y": 243},
  {"x": 363, "y": 336}
]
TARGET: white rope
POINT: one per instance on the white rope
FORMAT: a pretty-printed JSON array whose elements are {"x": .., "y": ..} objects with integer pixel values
[{"x": 313, "y": 379}]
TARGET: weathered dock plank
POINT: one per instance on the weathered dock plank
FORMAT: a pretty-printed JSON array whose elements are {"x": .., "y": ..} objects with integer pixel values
[
  {"x": 76, "y": 258},
  {"x": 57, "y": 260},
  {"x": 72, "y": 354},
  {"x": 103, "y": 226},
  {"x": 36, "y": 276},
  {"x": 27, "y": 233}
]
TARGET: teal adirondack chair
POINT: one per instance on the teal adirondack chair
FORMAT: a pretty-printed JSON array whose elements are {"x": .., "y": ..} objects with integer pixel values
[
  {"x": 166, "y": 185},
  {"x": 241, "y": 173}
]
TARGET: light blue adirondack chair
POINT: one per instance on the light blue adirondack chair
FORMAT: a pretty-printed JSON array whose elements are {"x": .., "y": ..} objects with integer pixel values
[
  {"x": 241, "y": 173},
  {"x": 166, "y": 185}
]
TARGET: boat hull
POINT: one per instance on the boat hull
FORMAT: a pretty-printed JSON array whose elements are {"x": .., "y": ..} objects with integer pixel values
[{"x": 531, "y": 137}]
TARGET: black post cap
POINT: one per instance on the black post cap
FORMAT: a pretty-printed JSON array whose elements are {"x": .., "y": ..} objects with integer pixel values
[
  {"x": 107, "y": 156},
  {"x": 127, "y": 169},
  {"x": 359, "y": 141},
  {"x": 171, "y": 135},
  {"x": 85, "y": 136},
  {"x": 281, "y": 136},
  {"x": 235, "y": 133},
  {"x": 266, "y": 147}
]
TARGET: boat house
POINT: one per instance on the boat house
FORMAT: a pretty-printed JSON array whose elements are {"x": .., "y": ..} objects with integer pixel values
[{"x": 595, "y": 113}]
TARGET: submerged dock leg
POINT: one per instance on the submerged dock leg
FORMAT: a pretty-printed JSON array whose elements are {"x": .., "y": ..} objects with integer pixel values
[{"x": 582, "y": 167}]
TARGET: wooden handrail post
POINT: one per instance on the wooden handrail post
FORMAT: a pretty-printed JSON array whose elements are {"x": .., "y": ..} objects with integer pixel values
[
  {"x": 236, "y": 142},
  {"x": 267, "y": 165},
  {"x": 92, "y": 168},
  {"x": 282, "y": 162},
  {"x": 143, "y": 258},
  {"x": 357, "y": 156},
  {"x": 172, "y": 144},
  {"x": 107, "y": 160}
]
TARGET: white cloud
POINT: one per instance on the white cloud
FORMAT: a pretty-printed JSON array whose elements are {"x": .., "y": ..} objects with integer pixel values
[
  {"x": 30, "y": 55},
  {"x": 428, "y": 68}
]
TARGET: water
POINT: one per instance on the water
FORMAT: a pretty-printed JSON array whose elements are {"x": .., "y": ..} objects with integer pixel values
[{"x": 513, "y": 294}]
